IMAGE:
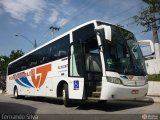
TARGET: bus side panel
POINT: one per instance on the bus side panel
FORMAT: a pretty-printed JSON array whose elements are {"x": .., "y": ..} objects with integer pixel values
[
  {"x": 60, "y": 73},
  {"x": 57, "y": 71}
]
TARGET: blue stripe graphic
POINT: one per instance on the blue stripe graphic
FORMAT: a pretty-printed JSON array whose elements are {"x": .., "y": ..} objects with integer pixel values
[
  {"x": 18, "y": 82},
  {"x": 25, "y": 81}
]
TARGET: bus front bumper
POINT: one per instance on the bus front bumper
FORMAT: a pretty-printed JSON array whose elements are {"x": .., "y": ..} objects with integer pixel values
[{"x": 111, "y": 91}]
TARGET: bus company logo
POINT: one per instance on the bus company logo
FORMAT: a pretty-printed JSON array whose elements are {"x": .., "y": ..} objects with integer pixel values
[
  {"x": 130, "y": 77},
  {"x": 38, "y": 77}
]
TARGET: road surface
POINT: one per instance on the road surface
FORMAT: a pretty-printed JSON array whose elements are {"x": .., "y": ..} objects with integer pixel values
[{"x": 45, "y": 108}]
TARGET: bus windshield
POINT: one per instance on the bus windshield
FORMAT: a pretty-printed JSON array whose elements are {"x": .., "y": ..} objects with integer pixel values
[{"x": 123, "y": 54}]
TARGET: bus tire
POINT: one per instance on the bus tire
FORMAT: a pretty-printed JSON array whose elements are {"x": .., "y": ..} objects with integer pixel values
[
  {"x": 16, "y": 95},
  {"x": 65, "y": 96}
]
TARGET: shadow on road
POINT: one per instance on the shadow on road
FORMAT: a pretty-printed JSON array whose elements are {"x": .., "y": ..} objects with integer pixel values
[
  {"x": 112, "y": 106},
  {"x": 43, "y": 99},
  {"x": 15, "y": 108}
]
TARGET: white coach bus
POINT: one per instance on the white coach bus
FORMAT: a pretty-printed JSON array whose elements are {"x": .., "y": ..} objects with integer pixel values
[{"x": 94, "y": 61}]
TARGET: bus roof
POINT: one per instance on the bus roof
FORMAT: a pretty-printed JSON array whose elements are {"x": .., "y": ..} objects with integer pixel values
[{"x": 52, "y": 40}]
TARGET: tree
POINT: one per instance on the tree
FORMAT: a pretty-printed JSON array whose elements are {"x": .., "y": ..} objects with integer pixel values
[
  {"x": 149, "y": 18},
  {"x": 15, "y": 54},
  {"x": 5, "y": 60}
]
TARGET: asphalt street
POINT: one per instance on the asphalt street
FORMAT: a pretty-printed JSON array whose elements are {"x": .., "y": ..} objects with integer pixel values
[{"x": 47, "y": 108}]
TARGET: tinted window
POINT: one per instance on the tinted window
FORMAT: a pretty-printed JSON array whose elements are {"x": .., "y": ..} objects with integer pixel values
[
  {"x": 59, "y": 49},
  {"x": 43, "y": 55},
  {"x": 54, "y": 51},
  {"x": 83, "y": 34}
]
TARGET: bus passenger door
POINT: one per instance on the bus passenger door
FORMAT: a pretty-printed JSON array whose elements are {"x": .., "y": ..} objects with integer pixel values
[
  {"x": 85, "y": 70},
  {"x": 75, "y": 72},
  {"x": 87, "y": 60},
  {"x": 93, "y": 68}
]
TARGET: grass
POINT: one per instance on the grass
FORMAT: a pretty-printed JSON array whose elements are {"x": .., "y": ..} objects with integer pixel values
[{"x": 154, "y": 77}]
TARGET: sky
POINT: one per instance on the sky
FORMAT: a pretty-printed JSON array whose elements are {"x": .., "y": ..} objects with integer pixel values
[{"x": 33, "y": 18}]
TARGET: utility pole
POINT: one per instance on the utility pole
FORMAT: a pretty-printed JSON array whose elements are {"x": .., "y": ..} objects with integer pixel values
[
  {"x": 35, "y": 44},
  {"x": 154, "y": 29},
  {"x": 53, "y": 29}
]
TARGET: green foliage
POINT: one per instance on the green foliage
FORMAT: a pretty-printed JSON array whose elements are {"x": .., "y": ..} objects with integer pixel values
[
  {"x": 154, "y": 77},
  {"x": 147, "y": 16},
  {"x": 154, "y": 5},
  {"x": 15, "y": 54},
  {"x": 144, "y": 19},
  {"x": 5, "y": 60}
]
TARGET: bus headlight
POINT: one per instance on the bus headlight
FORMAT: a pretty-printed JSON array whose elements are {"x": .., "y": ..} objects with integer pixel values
[{"x": 114, "y": 80}]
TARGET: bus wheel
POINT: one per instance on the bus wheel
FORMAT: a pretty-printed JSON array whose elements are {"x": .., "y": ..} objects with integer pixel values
[
  {"x": 65, "y": 96},
  {"x": 16, "y": 92}
]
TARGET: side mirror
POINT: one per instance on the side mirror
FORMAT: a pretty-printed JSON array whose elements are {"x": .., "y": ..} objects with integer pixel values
[
  {"x": 106, "y": 31},
  {"x": 147, "y": 48}
]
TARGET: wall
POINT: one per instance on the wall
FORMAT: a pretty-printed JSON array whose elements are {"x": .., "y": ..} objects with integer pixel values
[
  {"x": 154, "y": 88},
  {"x": 153, "y": 66}
]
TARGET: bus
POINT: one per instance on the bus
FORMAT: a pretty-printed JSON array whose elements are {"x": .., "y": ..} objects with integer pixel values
[{"x": 93, "y": 61}]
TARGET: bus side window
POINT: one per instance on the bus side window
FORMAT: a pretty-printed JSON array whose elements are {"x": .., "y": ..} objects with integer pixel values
[
  {"x": 17, "y": 67},
  {"x": 33, "y": 64},
  {"x": 10, "y": 69},
  {"x": 62, "y": 53},
  {"x": 59, "y": 48},
  {"x": 43, "y": 55},
  {"x": 63, "y": 44},
  {"x": 23, "y": 68},
  {"x": 33, "y": 59},
  {"x": 23, "y": 64},
  {"x": 52, "y": 52},
  {"x": 43, "y": 60}
]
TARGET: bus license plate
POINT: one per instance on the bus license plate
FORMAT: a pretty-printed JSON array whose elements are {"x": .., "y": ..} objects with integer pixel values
[{"x": 135, "y": 91}]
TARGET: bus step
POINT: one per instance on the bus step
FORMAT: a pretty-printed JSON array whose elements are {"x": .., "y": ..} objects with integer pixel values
[
  {"x": 98, "y": 88},
  {"x": 93, "y": 98},
  {"x": 96, "y": 94}
]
